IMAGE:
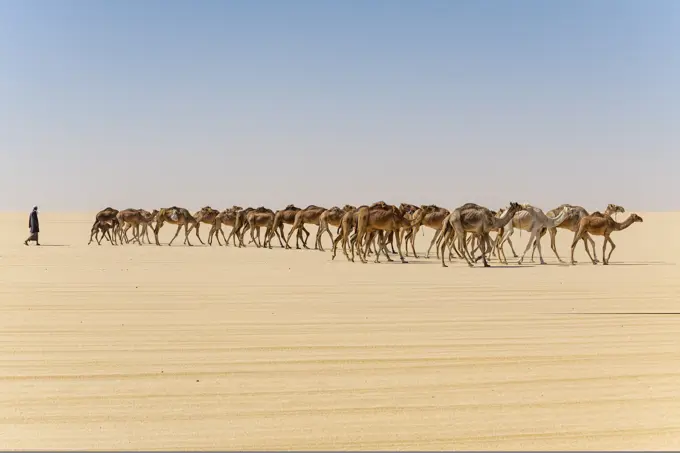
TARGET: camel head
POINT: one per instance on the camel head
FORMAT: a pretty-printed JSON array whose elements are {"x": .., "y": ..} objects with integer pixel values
[
  {"x": 515, "y": 207},
  {"x": 420, "y": 214},
  {"x": 348, "y": 207},
  {"x": 290, "y": 207},
  {"x": 236, "y": 208},
  {"x": 613, "y": 209},
  {"x": 636, "y": 218},
  {"x": 379, "y": 204}
]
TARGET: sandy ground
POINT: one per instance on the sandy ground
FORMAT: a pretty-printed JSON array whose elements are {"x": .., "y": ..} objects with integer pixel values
[{"x": 219, "y": 348}]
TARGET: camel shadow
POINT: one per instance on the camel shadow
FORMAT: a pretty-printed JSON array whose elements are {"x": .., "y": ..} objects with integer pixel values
[
  {"x": 54, "y": 245},
  {"x": 642, "y": 263}
]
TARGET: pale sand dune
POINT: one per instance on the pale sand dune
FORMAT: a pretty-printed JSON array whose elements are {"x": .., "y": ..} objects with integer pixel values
[{"x": 215, "y": 347}]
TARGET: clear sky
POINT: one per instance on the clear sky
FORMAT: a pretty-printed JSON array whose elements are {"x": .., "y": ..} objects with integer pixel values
[{"x": 155, "y": 103}]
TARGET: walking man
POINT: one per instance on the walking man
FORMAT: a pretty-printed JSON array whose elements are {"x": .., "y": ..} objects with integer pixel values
[{"x": 33, "y": 226}]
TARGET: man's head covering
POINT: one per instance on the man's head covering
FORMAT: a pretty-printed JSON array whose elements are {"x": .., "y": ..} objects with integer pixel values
[{"x": 35, "y": 208}]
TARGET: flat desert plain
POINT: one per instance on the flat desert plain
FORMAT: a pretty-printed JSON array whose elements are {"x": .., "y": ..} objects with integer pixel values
[{"x": 203, "y": 347}]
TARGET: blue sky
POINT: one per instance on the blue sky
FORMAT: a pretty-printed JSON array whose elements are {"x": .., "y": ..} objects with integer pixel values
[{"x": 155, "y": 103}]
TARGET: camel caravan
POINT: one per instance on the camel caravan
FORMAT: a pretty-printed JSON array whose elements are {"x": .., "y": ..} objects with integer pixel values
[{"x": 360, "y": 231}]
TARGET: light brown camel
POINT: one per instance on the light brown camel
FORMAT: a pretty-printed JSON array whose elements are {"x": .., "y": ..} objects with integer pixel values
[
  {"x": 287, "y": 216},
  {"x": 601, "y": 226},
  {"x": 105, "y": 215},
  {"x": 134, "y": 218},
  {"x": 150, "y": 217},
  {"x": 309, "y": 215},
  {"x": 576, "y": 213},
  {"x": 407, "y": 210},
  {"x": 332, "y": 216},
  {"x": 380, "y": 220},
  {"x": 104, "y": 227},
  {"x": 257, "y": 218},
  {"x": 174, "y": 216},
  {"x": 226, "y": 217},
  {"x": 430, "y": 216},
  {"x": 450, "y": 238},
  {"x": 348, "y": 226},
  {"x": 471, "y": 218},
  {"x": 533, "y": 220},
  {"x": 205, "y": 215}
]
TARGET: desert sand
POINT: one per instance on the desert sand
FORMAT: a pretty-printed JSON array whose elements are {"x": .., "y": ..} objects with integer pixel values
[{"x": 182, "y": 347}]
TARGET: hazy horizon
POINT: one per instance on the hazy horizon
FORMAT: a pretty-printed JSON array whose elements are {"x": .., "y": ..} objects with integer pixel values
[{"x": 160, "y": 103}]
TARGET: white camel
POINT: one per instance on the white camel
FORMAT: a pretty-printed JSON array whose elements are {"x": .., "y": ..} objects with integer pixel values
[{"x": 533, "y": 220}]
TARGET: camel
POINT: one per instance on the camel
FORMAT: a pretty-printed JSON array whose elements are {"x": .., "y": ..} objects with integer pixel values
[
  {"x": 533, "y": 220},
  {"x": 104, "y": 227},
  {"x": 134, "y": 218},
  {"x": 257, "y": 218},
  {"x": 576, "y": 213},
  {"x": 431, "y": 216},
  {"x": 407, "y": 210},
  {"x": 472, "y": 218},
  {"x": 105, "y": 215},
  {"x": 450, "y": 238},
  {"x": 205, "y": 215},
  {"x": 309, "y": 215},
  {"x": 379, "y": 219},
  {"x": 601, "y": 226},
  {"x": 174, "y": 216},
  {"x": 287, "y": 216},
  {"x": 226, "y": 217},
  {"x": 347, "y": 226},
  {"x": 332, "y": 216}
]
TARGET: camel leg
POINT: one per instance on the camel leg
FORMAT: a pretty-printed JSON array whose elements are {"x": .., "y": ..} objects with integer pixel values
[
  {"x": 93, "y": 233},
  {"x": 444, "y": 237},
  {"x": 179, "y": 227},
  {"x": 529, "y": 244},
  {"x": 553, "y": 234},
  {"x": 432, "y": 242},
  {"x": 537, "y": 236},
  {"x": 381, "y": 245},
  {"x": 401, "y": 256},
  {"x": 221, "y": 230},
  {"x": 155, "y": 233},
  {"x": 319, "y": 232},
  {"x": 461, "y": 245},
  {"x": 611, "y": 249},
  {"x": 290, "y": 233},
  {"x": 579, "y": 234},
  {"x": 186, "y": 234},
  {"x": 336, "y": 241},
  {"x": 307, "y": 233},
  {"x": 482, "y": 245},
  {"x": 233, "y": 235},
  {"x": 592, "y": 244},
  {"x": 136, "y": 233},
  {"x": 384, "y": 244},
  {"x": 604, "y": 248},
  {"x": 413, "y": 233},
  {"x": 585, "y": 244},
  {"x": 198, "y": 236},
  {"x": 252, "y": 236}
]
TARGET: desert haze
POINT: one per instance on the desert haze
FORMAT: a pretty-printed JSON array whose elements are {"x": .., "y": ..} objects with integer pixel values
[{"x": 146, "y": 347}]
